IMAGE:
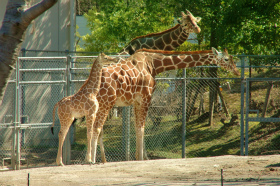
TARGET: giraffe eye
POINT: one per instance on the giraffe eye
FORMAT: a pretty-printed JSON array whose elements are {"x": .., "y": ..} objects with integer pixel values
[{"x": 226, "y": 59}]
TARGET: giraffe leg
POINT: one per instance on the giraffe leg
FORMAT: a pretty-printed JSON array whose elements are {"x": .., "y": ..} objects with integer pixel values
[
  {"x": 89, "y": 120},
  {"x": 140, "y": 116},
  {"x": 65, "y": 125},
  {"x": 103, "y": 157},
  {"x": 139, "y": 143},
  {"x": 97, "y": 127}
]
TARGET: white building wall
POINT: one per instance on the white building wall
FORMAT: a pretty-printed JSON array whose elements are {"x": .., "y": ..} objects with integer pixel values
[{"x": 54, "y": 30}]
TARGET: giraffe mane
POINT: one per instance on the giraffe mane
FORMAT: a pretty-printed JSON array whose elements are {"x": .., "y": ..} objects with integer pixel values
[
  {"x": 85, "y": 83},
  {"x": 173, "y": 52},
  {"x": 158, "y": 33}
]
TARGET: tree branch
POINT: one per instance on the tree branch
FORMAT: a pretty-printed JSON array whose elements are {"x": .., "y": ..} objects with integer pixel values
[{"x": 36, "y": 10}]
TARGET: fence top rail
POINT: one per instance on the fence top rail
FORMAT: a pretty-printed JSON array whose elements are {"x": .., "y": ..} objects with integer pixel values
[
  {"x": 112, "y": 53},
  {"x": 24, "y": 58},
  {"x": 260, "y": 56},
  {"x": 252, "y": 66},
  {"x": 42, "y": 69},
  {"x": 193, "y": 78},
  {"x": 95, "y": 56},
  {"x": 23, "y": 50},
  {"x": 263, "y": 79}
]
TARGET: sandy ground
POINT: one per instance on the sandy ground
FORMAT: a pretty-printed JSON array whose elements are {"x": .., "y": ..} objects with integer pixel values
[{"x": 237, "y": 170}]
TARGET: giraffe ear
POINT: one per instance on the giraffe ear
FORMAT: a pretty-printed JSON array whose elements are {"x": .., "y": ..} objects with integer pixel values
[
  {"x": 225, "y": 51},
  {"x": 198, "y": 19},
  {"x": 215, "y": 51},
  {"x": 179, "y": 21},
  {"x": 183, "y": 14}
]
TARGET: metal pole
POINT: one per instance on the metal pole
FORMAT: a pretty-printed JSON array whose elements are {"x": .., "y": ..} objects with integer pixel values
[
  {"x": 66, "y": 155},
  {"x": 13, "y": 151},
  {"x": 126, "y": 132},
  {"x": 222, "y": 177},
  {"x": 18, "y": 148},
  {"x": 28, "y": 179},
  {"x": 242, "y": 108},
  {"x": 247, "y": 115},
  {"x": 184, "y": 115},
  {"x": 16, "y": 145},
  {"x": 23, "y": 52}
]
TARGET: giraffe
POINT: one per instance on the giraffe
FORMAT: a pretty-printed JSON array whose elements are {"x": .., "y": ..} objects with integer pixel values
[
  {"x": 167, "y": 40},
  {"x": 83, "y": 103},
  {"x": 132, "y": 81}
]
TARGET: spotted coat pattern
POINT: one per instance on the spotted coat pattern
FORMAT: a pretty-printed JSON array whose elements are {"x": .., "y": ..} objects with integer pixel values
[
  {"x": 132, "y": 81},
  {"x": 167, "y": 40},
  {"x": 83, "y": 103}
]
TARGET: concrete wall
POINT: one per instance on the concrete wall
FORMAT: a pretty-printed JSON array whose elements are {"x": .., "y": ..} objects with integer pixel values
[{"x": 53, "y": 30}]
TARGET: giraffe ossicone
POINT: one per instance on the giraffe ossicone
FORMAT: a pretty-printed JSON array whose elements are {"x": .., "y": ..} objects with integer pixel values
[
  {"x": 132, "y": 82},
  {"x": 83, "y": 103}
]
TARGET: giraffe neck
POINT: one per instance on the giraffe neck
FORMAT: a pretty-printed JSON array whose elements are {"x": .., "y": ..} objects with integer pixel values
[
  {"x": 94, "y": 80},
  {"x": 161, "y": 61},
  {"x": 167, "y": 40}
]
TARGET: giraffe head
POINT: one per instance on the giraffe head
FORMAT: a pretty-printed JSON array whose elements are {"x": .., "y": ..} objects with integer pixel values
[
  {"x": 226, "y": 61},
  {"x": 107, "y": 60},
  {"x": 189, "y": 22}
]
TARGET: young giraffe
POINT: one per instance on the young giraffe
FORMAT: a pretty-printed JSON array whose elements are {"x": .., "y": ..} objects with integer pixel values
[
  {"x": 83, "y": 103},
  {"x": 132, "y": 82},
  {"x": 167, "y": 40}
]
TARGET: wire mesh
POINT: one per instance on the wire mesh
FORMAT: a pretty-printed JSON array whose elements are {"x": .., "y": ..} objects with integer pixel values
[
  {"x": 43, "y": 83},
  {"x": 263, "y": 105}
]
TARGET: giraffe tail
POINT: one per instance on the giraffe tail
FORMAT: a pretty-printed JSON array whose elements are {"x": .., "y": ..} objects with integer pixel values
[{"x": 54, "y": 109}]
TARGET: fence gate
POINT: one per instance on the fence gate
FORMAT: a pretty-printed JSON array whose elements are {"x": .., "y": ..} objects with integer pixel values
[
  {"x": 39, "y": 84},
  {"x": 262, "y": 100}
]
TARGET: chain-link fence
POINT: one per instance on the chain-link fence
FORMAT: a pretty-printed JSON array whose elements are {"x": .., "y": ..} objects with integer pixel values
[
  {"x": 262, "y": 122},
  {"x": 194, "y": 113}
]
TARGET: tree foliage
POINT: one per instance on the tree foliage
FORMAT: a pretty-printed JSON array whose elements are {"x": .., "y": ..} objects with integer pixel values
[
  {"x": 112, "y": 28},
  {"x": 243, "y": 26}
]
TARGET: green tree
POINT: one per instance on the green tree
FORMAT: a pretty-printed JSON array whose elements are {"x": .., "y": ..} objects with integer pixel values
[
  {"x": 83, "y": 6},
  {"x": 111, "y": 28},
  {"x": 243, "y": 26},
  {"x": 253, "y": 29}
]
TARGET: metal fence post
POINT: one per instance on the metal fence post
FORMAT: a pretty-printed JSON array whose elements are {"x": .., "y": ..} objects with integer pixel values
[
  {"x": 16, "y": 141},
  {"x": 13, "y": 150},
  {"x": 126, "y": 132},
  {"x": 246, "y": 120},
  {"x": 66, "y": 155},
  {"x": 23, "y": 52},
  {"x": 184, "y": 114},
  {"x": 242, "y": 108}
]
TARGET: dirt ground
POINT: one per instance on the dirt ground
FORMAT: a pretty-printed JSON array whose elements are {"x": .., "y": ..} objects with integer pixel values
[{"x": 237, "y": 170}]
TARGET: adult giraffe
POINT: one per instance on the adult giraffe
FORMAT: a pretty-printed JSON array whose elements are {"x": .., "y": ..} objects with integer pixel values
[
  {"x": 132, "y": 81},
  {"x": 83, "y": 103},
  {"x": 167, "y": 40}
]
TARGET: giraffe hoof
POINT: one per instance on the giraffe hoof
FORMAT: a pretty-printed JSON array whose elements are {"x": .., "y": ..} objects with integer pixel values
[
  {"x": 89, "y": 162},
  {"x": 60, "y": 164}
]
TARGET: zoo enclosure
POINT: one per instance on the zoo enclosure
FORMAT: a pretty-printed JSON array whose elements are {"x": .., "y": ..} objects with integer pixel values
[{"x": 38, "y": 83}]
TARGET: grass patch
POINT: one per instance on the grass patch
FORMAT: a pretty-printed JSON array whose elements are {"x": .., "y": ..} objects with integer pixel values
[{"x": 202, "y": 140}]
